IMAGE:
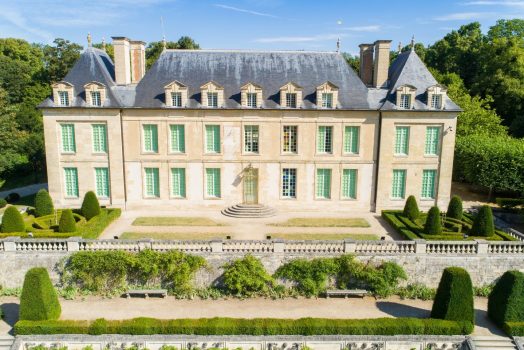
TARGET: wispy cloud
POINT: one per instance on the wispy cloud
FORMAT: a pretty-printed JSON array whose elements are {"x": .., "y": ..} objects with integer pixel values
[
  {"x": 299, "y": 39},
  {"x": 18, "y": 20},
  {"x": 371, "y": 29},
  {"x": 460, "y": 16},
  {"x": 251, "y": 12},
  {"x": 509, "y": 3}
]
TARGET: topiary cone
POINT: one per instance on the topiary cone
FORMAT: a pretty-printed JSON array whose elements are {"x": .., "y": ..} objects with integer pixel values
[
  {"x": 506, "y": 300},
  {"x": 454, "y": 298},
  {"x": 411, "y": 210},
  {"x": 90, "y": 206},
  {"x": 455, "y": 209},
  {"x": 39, "y": 301},
  {"x": 67, "y": 222},
  {"x": 433, "y": 225},
  {"x": 483, "y": 224},
  {"x": 12, "y": 221},
  {"x": 43, "y": 204}
]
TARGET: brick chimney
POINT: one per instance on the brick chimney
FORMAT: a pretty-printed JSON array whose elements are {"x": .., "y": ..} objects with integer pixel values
[
  {"x": 138, "y": 60},
  {"x": 122, "y": 62},
  {"x": 366, "y": 63},
  {"x": 380, "y": 76}
]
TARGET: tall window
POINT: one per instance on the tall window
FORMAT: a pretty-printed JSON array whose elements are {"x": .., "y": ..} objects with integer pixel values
[
  {"x": 436, "y": 101},
  {"x": 152, "y": 185},
  {"x": 212, "y": 99},
  {"x": 323, "y": 189},
  {"x": 398, "y": 190},
  {"x": 176, "y": 99},
  {"x": 252, "y": 99},
  {"x": 289, "y": 183},
  {"x": 178, "y": 139},
  {"x": 428, "y": 184},
  {"x": 327, "y": 100},
  {"x": 150, "y": 132},
  {"x": 71, "y": 182},
  {"x": 96, "y": 99},
  {"x": 99, "y": 138},
  {"x": 351, "y": 139},
  {"x": 251, "y": 138},
  {"x": 349, "y": 184},
  {"x": 325, "y": 139},
  {"x": 289, "y": 144},
  {"x": 213, "y": 182},
  {"x": 401, "y": 140},
  {"x": 405, "y": 101},
  {"x": 291, "y": 100},
  {"x": 212, "y": 138},
  {"x": 68, "y": 138},
  {"x": 64, "y": 98},
  {"x": 432, "y": 140},
  {"x": 178, "y": 182},
  {"x": 102, "y": 182}
]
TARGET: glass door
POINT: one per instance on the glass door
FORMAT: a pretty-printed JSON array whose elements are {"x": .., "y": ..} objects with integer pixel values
[{"x": 251, "y": 186}]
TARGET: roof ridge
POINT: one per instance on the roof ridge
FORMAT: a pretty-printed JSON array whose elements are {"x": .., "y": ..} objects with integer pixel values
[{"x": 250, "y": 51}]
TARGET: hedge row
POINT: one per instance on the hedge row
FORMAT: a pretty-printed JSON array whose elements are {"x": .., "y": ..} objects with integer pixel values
[
  {"x": 506, "y": 301},
  {"x": 515, "y": 329},
  {"x": 391, "y": 218},
  {"x": 260, "y": 326},
  {"x": 96, "y": 225}
]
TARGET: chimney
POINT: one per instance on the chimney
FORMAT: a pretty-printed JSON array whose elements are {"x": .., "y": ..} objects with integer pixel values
[
  {"x": 138, "y": 60},
  {"x": 380, "y": 76},
  {"x": 122, "y": 60},
  {"x": 366, "y": 63}
]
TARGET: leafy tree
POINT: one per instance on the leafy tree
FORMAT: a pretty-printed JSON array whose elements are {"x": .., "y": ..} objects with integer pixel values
[
  {"x": 433, "y": 225},
  {"x": 353, "y": 61},
  {"x": 59, "y": 58},
  {"x": 155, "y": 48},
  {"x": 39, "y": 300},
  {"x": 246, "y": 276},
  {"x": 455, "y": 210},
  {"x": 43, "y": 204},
  {"x": 11, "y": 137},
  {"x": 411, "y": 210},
  {"x": 483, "y": 223},
  {"x": 67, "y": 222},
  {"x": 110, "y": 50},
  {"x": 90, "y": 206},
  {"x": 507, "y": 28},
  {"x": 12, "y": 221}
]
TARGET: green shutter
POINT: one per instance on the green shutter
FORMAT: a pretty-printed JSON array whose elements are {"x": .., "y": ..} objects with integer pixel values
[
  {"x": 213, "y": 182},
  {"x": 102, "y": 182},
  {"x": 432, "y": 140},
  {"x": 351, "y": 139},
  {"x": 398, "y": 190},
  {"x": 152, "y": 182},
  {"x": 150, "y": 138},
  {"x": 178, "y": 182},
  {"x": 68, "y": 138},
  {"x": 178, "y": 142},
  {"x": 71, "y": 182},
  {"x": 99, "y": 138},
  {"x": 401, "y": 140},
  {"x": 213, "y": 138},
  {"x": 323, "y": 183},
  {"x": 428, "y": 184},
  {"x": 349, "y": 184}
]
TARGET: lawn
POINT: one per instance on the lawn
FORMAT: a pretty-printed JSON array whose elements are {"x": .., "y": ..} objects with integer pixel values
[
  {"x": 174, "y": 221},
  {"x": 323, "y": 222},
  {"x": 173, "y": 235},
  {"x": 324, "y": 236}
]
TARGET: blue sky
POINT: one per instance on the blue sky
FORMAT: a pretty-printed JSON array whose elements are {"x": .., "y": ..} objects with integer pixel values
[{"x": 250, "y": 24}]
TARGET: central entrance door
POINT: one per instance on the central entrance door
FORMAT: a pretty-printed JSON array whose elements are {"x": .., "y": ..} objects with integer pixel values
[{"x": 251, "y": 186}]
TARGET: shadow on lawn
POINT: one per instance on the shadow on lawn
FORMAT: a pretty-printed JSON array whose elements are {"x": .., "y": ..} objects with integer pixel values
[{"x": 401, "y": 310}]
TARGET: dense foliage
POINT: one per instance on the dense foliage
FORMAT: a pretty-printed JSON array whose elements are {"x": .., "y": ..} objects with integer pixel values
[
  {"x": 43, "y": 204},
  {"x": 39, "y": 300},
  {"x": 483, "y": 224},
  {"x": 90, "y": 206},
  {"x": 411, "y": 210},
  {"x": 455, "y": 208},
  {"x": 246, "y": 277},
  {"x": 506, "y": 301},
  {"x": 454, "y": 298},
  {"x": 12, "y": 221},
  {"x": 433, "y": 225},
  {"x": 67, "y": 222},
  {"x": 3, "y": 203}
]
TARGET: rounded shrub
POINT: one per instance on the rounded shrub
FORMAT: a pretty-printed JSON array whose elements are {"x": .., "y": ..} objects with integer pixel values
[
  {"x": 90, "y": 206},
  {"x": 12, "y": 197},
  {"x": 246, "y": 276},
  {"x": 506, "y": 300},
  {"x": 3, "y": 203},
  {"x": 454, "y": 298},
  {"x": 12, "y": 221},
  {"x": 483, "y": 224},
  {"x": 67, "y": 222},
  {"x": 455, "y": 209},
  {"x": 433, "y": 226},
  {"x": 411, "y": 210},
  {"x": 39, "y": 301},
  {"x": 43, "y": 204}
]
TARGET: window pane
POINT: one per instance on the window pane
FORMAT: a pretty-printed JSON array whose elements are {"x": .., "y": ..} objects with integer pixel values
[
  {"x": 213, "y": 182},
  {"x": 95, "y": 98},
  {"x": 152, "y": 182},
  {"x": 351, "y": 139},
  {"x": 212, "y": 99},
  {"x": 432, "y": 140},
  {"x": 349, "y": 184},
  {"x": 178, "y": 182},
  {"x": 436, "y": 101},
  {"x": 405, "y": 101},
  {"x": 176, "y": 99},
  {"x": 68, "y": 138},
  {"x": 401, "y": 140},
  {"x": 71, "y": 182},
  {"x": 99, "y": 138},
  {"x": 428, "y": 184},
  {"x": 325, "y": 139},
  {"x": 213, "y": 138},
  {"x": 178, "y": 142},
  {"x": 102, "y": 182},
  {"x": 291, "y": 100},
  {"x": 251, "y": 138},
  {"x": 150, "y": 138},
  {"x": 290, "y": 138},
  {"x": 64, "y": 98},
  {"x": 398, "y": 190},
  {"x": 323, "y": 183},
  {"x": 252, "y": 99},
  {"x": 327, "y": 100},
  {"x": 289, "y": 183}
]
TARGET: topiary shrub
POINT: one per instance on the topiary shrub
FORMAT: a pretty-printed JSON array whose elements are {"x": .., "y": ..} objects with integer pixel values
[
  {"x": 90, "y": 206},
  {"x": 43, "y": 204},
  {"x": 12, "y": 197},
  {"x": 3, "y": 203},
  {"x": 12, "y": 221},
  {"x": 455, "y": 209},
  {"x": 411, "y": 210},
  {"x": 506, "y": 300},
  {"x": 454, "y": 298},
  {"x": 67, "y": 222},
  {"x": 483, "y": 223},
  {"x": 246, "y": 277},
  {"x": 433, "y": 225},
  {"x": 39, "y": 300}
]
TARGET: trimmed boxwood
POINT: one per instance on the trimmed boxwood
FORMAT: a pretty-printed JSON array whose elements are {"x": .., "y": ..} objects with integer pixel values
[
  {"x": 483, "y": 224},
  {"x": 3, "y": 203},
  {"x": 411, "y": 210},
  {"x": 39, "y": 300},
  {"x": 12, "y": 221},
  {"x": 67, "y": 222},
  {"x": 90, "y": 206},
  {"x": 454, "y": 298},
  {"x": 455, "y": 208},
  {"x": 433, "y": 225},
  {"x": 43, "y": 204},
  {"x": 257, "y": 326},
  {"x": 506, "y": 300}
]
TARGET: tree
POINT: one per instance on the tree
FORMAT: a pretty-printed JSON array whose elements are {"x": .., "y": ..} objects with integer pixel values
[
  {"x": 90, "y": 206},
  {"x": 12, "y": 221},
  {"x": 155, "y": 48},
  {"x": 506, "y": 29},
  {"x": 39, "y": 301},
  {"x": 433, "y": 225},
  {"x": 43, "y": 204},
  {"x": 59, "y": 58},
  {"x": 246, "y": 276},
  {"x": 110, "y": 50},
  {"x": 483, "y": 223},
  {"x": 353, "y": 61},
  {"x": 455, "y": 210},
  {"x": 67, "y": 222},
  {"x": 11, "y": 138},
  {"x": 411, "y": 210}
]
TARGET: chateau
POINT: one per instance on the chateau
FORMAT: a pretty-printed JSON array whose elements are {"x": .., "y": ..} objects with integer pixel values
[{"x": 297, "y": 129}]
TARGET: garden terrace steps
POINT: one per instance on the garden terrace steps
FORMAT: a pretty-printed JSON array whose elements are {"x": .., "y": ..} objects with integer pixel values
[
  {"x": 6, "y": 341},
  {"x": 493, "y": 342},
  {"x": 249, "y": 211}
]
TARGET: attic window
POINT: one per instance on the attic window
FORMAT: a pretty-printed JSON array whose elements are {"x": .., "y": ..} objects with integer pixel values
[
  {"x": 291, "y": 96},
  {"x": 251, "y": 95},
  {"x": 291, "y": 100},
  {"x": 436, "y": 101},
  {"x": 63, "y": 93},
  {"x": 327, "y": 95},
  {"x": 96, "y": 99},
  {"x": 327, "y": 100},
  {"x": 405, "y": 101},
  {"x": 212, "y": 95},
  {"x": 406, "y": 96},
  {"x": 252, "y": 99},
  {"x": 63, "y": 98},
  {"x": 212, "y": 99},
  {"x": 436, "y": 95},
  {"x": 95, "y": 94},
  {"x": 176, "y": 99},
  {"x": 176, "y": 94}
]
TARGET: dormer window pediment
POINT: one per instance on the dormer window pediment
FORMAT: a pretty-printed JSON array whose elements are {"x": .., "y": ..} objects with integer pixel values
[
  {"x": 251, "y": 95},
  {"x": 291, "y": 95},
  {"x": 95, "y": 94},
  {"x": 327, "y": 95},
  {"x": 436, "y": 95},
  {"x": 212, "y": 95},
  {"x": 175, "y": 94},
  {"x": 406, "y": 96},
  {"x": 63, "y": 93}
]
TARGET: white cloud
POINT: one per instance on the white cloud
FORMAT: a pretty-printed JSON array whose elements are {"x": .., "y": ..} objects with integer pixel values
[
  {"x": 509, "y": 3},
  {"x": 299, "y": 39},
  {"x": 460, "y": 16},
  {"x": 18, "y": 20},
  {"x": 251, "y": 12},
  {"x": 372, "y": 28}
]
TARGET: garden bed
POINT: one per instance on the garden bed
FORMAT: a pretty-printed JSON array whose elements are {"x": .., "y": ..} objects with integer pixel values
[
  {"x": 323, "y": 222},
  {"x": 174, "y": 221}
]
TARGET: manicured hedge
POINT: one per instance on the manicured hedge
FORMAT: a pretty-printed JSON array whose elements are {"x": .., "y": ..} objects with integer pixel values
[
  {"x": 260, "y": 326},
  {"x": 515, "y": 329},
  {"x": 433, "y": 225},
  {"x": 90, "y": 206},
  {"x": 455, "y": 208},
  {"x": 506, "y": 300},
  {"x": 97, "y": 225},
  {"x": 391, "y": 218},
  {"x": 39, "y": 300},
  {"x": 12, "y": 221},
  {"x": 43, "y": 204},
  {"x": 454, "y": 298},
  {"x": 411, "y": 210},
  {"x": 67, "y": 222},
  {"x": 506, "y": 203},
  {"x": 483, "y": 224},
  {"x": 3, "y": 203}
]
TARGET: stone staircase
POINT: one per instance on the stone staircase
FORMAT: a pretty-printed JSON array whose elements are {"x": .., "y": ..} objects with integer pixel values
[
  {"x": 6, "y": 341},
  {"x": 249, "y": 211},
  {"x": 493, "y": 342}
]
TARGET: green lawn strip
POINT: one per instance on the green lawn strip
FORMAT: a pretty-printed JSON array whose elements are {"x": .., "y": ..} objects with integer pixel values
[
  {"x": 325, "y": 236},
  {"x": 174, "y": 221},
  {"x": 323, "y": 222},
  {"x": 174, "y": 235}
]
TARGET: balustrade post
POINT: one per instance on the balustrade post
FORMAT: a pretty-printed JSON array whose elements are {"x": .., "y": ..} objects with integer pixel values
[
  {"x": 216, "y": 246},
  {"x": 350, "y": 246},
  {"x": 482, "y": 246},
  {"x": 73, "y": 244},
  {"x": 420, "y": 246},
  {"x": 278, "y": 246},
  {"x": 145, "y": 244},
  {"x": 10, "y": 244}
]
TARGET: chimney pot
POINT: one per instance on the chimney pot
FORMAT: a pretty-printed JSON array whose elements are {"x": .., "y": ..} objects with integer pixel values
[
  {"x": 138, "y": 60},
  {"x": 122, "y": 60},
  {"x": 366, "y": 63}
]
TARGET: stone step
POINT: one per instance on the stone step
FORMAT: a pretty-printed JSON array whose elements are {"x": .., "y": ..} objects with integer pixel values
[
  {"x": 254, "y": 211},
  {"x": 6, "y": 341},
  {"x": 249, "y": 211},
  {"x": 493, "y": 343}
]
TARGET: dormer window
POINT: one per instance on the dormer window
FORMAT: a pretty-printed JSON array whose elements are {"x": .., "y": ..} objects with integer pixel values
[
  {"x": 327, "y": 95},
  {"x": 95, "y": 94},
  {"x": 291, "y": 96},
  {"x": 63, "y": 98},
  {"x": 405, "y": 101},
  {"x": 251, "y": 95},
  {"x": 63, "y": 93},
  {"x": 176, "y": 94},
  {"x": 436, "y": 101},
  {"x": 406, "y": 96},
  {"x": 212, "y": 95},
  {"x": 252, "y": 99},
  {"x": 435, "y": 95}
]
